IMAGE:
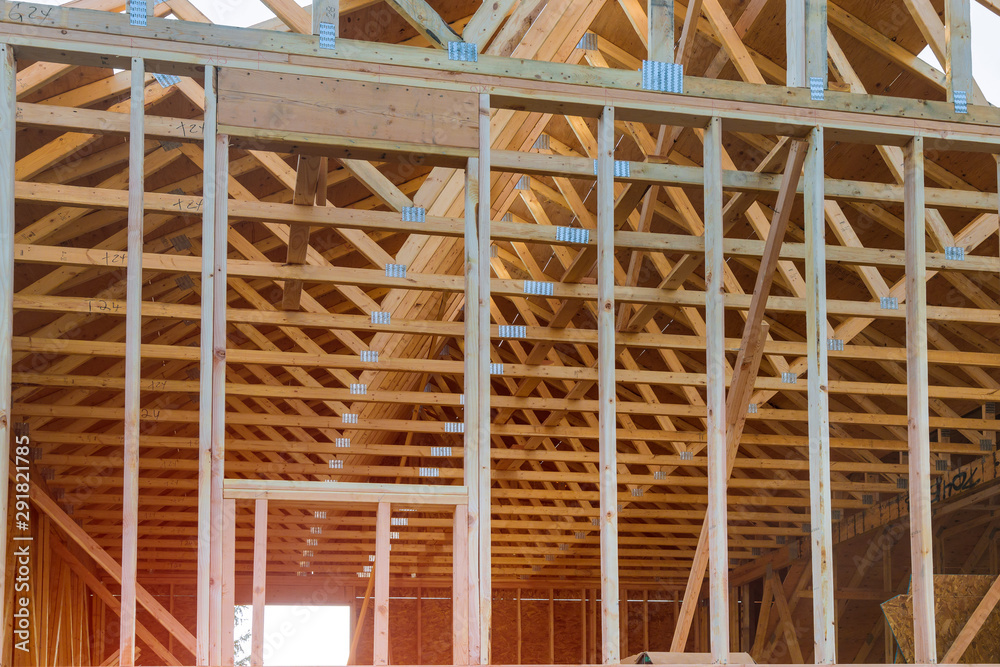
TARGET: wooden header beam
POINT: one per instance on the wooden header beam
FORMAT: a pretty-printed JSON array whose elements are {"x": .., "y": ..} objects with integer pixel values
[
  {"x": 548, "y": 87},
  {"x": 356, "y": 493}
]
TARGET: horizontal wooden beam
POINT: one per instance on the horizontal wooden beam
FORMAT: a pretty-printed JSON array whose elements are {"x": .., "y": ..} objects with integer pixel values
[
  {"x": 68, "y": 33},
  {"x": 402, "y": 495}
]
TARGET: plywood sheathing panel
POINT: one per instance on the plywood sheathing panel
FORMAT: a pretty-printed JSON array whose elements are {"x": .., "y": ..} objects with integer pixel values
[
  {"x": 345, "y": 108},
  {"x": 955, "y": 598}
]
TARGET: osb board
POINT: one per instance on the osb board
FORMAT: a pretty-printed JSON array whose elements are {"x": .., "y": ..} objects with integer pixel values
[
  {"x": 956, "y": 597},
  {"x": 435, "y": 622},
  {"x": 435, "y": 628},
  {"x": 535, "y": 629},
  {"x": 345, "y": 108},
  {"x": 661, "y": 624},
  {"x": 504, "y": 629},
  {"x": 569, "y": 626},
  {"x": 635, "y": 622}
]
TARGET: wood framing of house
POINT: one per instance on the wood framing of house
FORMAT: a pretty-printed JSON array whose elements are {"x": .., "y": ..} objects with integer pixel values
[{"x": 535, "y": 331}]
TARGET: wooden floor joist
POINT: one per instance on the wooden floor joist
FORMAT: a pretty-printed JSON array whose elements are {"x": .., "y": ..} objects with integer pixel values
[{"x": 500, "y": 324}]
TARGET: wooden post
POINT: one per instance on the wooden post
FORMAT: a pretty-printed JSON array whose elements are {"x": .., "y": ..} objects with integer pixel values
[
  {"x": 645, "y": 620},
  {"x": 517, "y": 636},
  {"x": 221, "y": 247},
  {"x": 460, "y": 587},
  {"x": 745, "y": 617},
  {"x": 607, "y": 418},
  {"x": 623, "y": 622},
  {"x": 824, "y": 614},
  {"x": 715, "y": 362},
  {"x": 552, "y": 626},
  {"x": 583, "y": 626},
  {"x": 471, "y": 423},
  {"x": 380, "y": 651},
  {"x": 485, "y": 480},
  {"x": 594, "y": 651},
  {"x": 815, "y": 46},
  {"x": 660, "y": 35},
  {"x": 795, "y": 43},
  {"x": 133, "y": 361},
  {"x": 734, "y": 619},
  {"x": 419, "y": 628},
  {"x": 958, "y": 48},
  {"x": 203, "y": 656},
  {"x": 921, "y": 537},
  {"x": 325, "y": 11},
  {"x": 8, "y": 133},
  {"x": 228, "y": 582},
  {"x": 259, "y": 581}
]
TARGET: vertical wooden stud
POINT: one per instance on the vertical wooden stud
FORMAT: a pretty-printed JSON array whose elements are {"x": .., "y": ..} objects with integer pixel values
[
  {"x": 623, "y": 622},
  {"x": 715, "y": 361},
  {"x": 485, "y": 480},
  {"x": 228, "y": 582},
  {"x": 517, "y": 635},
  {"x": 607, "y": 414},
  {"x": 645, "y": 620},
  {"x": 219, "y": 302},
  {"x": 734, "y": 618},
  {"x": 325, "y": 11},
  {"x": 824, "y": 614},
  {"x": 795, "y": 43},
  {"x": 815, "y": 46},
  {"x": 552, "y": 626},
  {"x": 259, "y": 599},
  {"x": 660, "y": 35},
  {"x": 203, "y": 656},
  {"x": 460, "y": 587},
  {"x": 8, "y": 133},
  {"x": 918, "y": 417},
  {"x": 958, "y": 48},
  {"x": 133, "y": 342},
  {"x": 380, "y": 652},
  {"x": 745, "y": 617},
  {"x": 472, "y": 413}
]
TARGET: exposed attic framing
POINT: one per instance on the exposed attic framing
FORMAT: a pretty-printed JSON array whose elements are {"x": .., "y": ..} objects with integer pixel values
[{"x": 544, "y": 329}]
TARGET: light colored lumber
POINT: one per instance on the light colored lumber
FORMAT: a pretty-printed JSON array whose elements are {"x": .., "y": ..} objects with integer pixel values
[
  {"x": 259, "y": 595},
  {"x": 817, "y": 376},
  {"x": 426, "y": 21},
  {"x": 715, "y": 363},
  {"x": 660, "y": 28},
  {"x": 133, "y": 361},
  {"x": 484, "y": 476},
  {"x": 815, "y": 41},
  {"x": 958, "y": 48},
  {"x": 220, "y": 172},
  {"x": 460, "y": 586},
  {"x": 228, "y": 582},
  {"x": 8, "y": 133},
  {"x": 607, "y": 415},
  {"x": 325, "y": 11},
  {"x": 380, "y": 651},
  {"x": 471, "y": 415},
  {"x": 921, "y": 535},
  {"x": 205, "y": 372}
]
